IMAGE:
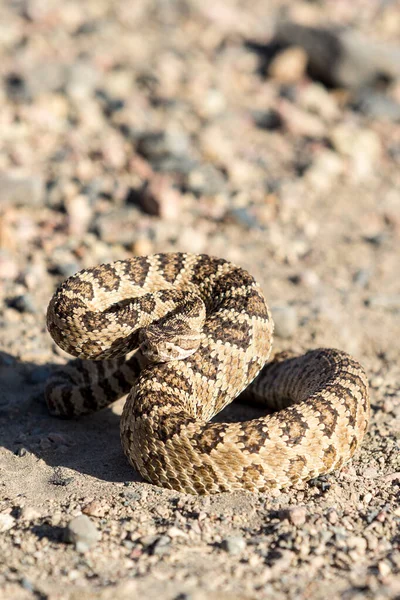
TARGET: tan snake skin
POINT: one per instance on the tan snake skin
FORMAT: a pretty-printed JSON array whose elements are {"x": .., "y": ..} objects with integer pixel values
[{"x": 169, "y": 305}]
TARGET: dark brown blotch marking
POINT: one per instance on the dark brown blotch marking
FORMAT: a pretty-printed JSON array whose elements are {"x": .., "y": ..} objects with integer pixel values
[
  {"x": 205, "y": 269},
  {"x": 172, "y": 379},
  {"x": 353, "y": 445},
  {"x": 232, "y": 280},
  {"x": 137, "y": 269},
  {"x": 206, "y": 366},
  {"x": 251, "y": 474},
  {"x": 107, "y": 277},
  {"x": 294, "y": 426},
  {"x": 254, "y": 304},
  {"x": 330, "y": 457},
  {"x": 209, "y": 437},
  {"x": 94, "y": 321},
  {"x": 253, "y": 368},
  {"x": 296, "y": 466},
  {"x": 238, "y": 334},
  {"x": 84, "y": 288},
  {"x": 147, "y": 303},
  {"x": 166, "y": 426},
  {"x": 252, "y": 437},
  {"x": 328, "y": 416},
  {"x": 171, "y": 265},
  {"x": 64, "y": 306}
]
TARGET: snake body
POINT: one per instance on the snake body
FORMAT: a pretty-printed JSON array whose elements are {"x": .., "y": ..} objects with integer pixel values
[{"x": 204, "y": 334}]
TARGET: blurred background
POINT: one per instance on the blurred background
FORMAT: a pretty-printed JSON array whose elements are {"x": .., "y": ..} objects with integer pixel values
[{"x": 264, "y": 132}]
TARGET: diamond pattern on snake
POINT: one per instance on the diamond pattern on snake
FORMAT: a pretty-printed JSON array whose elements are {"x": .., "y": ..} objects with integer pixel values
[{"x": 183, "y": 335}]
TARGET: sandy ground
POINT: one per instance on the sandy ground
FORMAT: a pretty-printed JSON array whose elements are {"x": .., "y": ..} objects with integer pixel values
[{"x": 130, "y": 128}]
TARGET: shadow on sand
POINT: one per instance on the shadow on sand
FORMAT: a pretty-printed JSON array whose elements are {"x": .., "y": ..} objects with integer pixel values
[{"x": 89, "y": 445}]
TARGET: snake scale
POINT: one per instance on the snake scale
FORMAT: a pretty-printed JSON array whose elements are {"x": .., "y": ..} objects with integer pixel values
[{"x": 184, "y": 335}]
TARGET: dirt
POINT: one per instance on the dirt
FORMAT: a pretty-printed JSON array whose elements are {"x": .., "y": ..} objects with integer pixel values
[{"x": 132, "y": 128}]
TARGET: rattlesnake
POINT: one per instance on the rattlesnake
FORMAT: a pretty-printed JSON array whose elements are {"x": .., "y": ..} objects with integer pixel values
[{"x": 213, "y": 315}]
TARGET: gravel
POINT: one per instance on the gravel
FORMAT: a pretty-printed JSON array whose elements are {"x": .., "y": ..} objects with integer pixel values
[
  {"x": 82, "y": 532},
  {"x": 133, "y": 128}
]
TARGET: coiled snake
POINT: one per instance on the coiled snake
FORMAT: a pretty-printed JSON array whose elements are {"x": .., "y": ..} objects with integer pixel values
[{"x": 204, "y": 334}]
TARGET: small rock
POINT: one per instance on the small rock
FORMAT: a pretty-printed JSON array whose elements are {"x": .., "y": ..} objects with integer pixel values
[
  {"x": 18, "y": 190},
  {"x": 377, "y": 106},
  {"x": 65, "y": 269},
  {"x": 300, "y": 122},
  {"x": 8, "y": 266},
  {"x": 233, "y": 545},
  {"x": 333, "y": 517},
  {"x": 148, "y": 541},
  {"x": 362, "y": 146},
  {"x": 159, "y": 198},
  {"x": 6, "y": 522},
  {"x": 357, "y": 543},
  {"x": 289, "y": 65},
  {"x": 384, "y": 568},
  {"x": 96, "y": 508},
  {"x": 161, "y": 545},
  {"x": 79, "y": 213},
  {"x": 23, "y": 303},
  {"x": 341, "y": 59},
  {"x": 270, "y": 120},
  {"x": 82, "y": 532},
  {"x": 296, "y": 515},
  {"x": 45, "y": 77},
  {"x": 21, "y": 452},
  {"x": 28, "y": 513},
  {"x": 315, "y": 98},
  {"x": 362, "y": 277},
  {"x": 367, "y": 498},
  {"x": 156, "y": 146},
  {"x": 82, "y": 78},
  {"x": 206, "y": 180},
  {"x": 286, "y": 321},
  {"x": 119, "y": 227},
  {"x": 326, "y": 168},
  {"x": 17, "y": 88}
]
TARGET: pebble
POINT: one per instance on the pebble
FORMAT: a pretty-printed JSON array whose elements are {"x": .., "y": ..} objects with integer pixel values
[
  {"x": 286, "y": 321},
  {"x": 296, "y": 515},
  {"x": 342, "y": 59},
  {"x": 119, "y": 227},
  {"x": 270, "y": 120},
  {"x": 82, "y": 78},
  {"x": 384, "y": 568},
  {"x": 158, "y": 197},
  {"x": 28, "y": 513},
  {"x": 377, "y": 106},
  {"x": 82, "y": 532},
  {"x": 161, "y": 546},
  {"x": 23, "y": 304},
  {"x": 315, "y": 98},
  {"x": 19, "y": 190},
  {"x": 234, "y": 545},
  {"x": 289, "y": 65},
  {"x": 156, "y": 145},
  {"x": 363, "y": 146},
  {"x": 79, "y": 213},
  {"x": 8, "y": 266},
  {"x": 332, "y": 516},
  {"x": 96, "y": 508},
  {"x": 206, "y": 180},
  {"x": 6, "y": 522}
]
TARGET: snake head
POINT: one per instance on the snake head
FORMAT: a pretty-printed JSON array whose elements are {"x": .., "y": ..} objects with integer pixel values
[{"x": 163, "y": 344}]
